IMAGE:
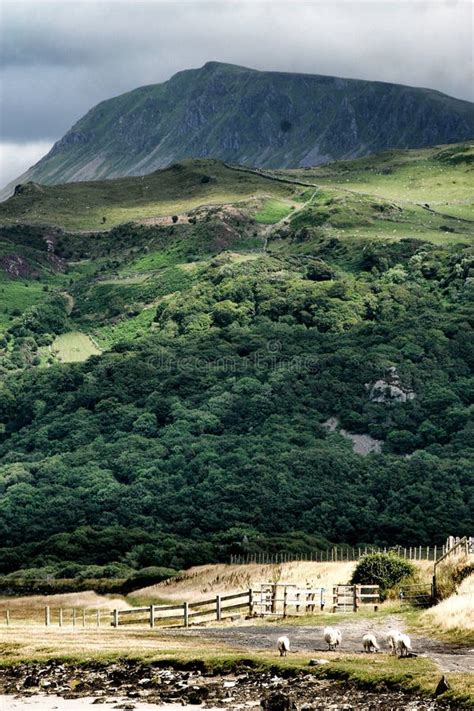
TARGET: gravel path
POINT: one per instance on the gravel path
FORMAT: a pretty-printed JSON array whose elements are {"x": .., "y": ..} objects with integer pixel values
[{"x": 450, "y": 657}]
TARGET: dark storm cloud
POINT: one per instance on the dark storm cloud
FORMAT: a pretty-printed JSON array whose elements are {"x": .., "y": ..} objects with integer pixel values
[{"x": 58, "y": 59}]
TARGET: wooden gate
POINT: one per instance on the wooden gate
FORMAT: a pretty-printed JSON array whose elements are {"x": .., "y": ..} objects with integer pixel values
[
  {"x": 348, "y": 598},
  {"x": 283, "y": 599}
]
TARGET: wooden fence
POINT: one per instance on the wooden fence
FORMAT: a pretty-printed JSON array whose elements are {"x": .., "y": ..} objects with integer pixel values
[
  {"x": 54, "y": 616},
  {"x": 339, "y": 554},
  {"x": 217, "y": 607}
]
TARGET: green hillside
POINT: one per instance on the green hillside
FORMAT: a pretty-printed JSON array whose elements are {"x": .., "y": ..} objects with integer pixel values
[
  {"x": 269, "y": 119},
  {"x": 284, "y": 364}
]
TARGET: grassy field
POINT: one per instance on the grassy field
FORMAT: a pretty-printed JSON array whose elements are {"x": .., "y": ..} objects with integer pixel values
[
  {"x": 74, "y": 347},
  {"x": 441, "y": 177},
  {"x": 17, "y": 296},
  {"x": 273, "y": 211},
  {"x": 175, "y": 190}
]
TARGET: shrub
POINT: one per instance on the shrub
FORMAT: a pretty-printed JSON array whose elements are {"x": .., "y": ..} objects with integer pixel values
[{"x": 384, "y": 569}]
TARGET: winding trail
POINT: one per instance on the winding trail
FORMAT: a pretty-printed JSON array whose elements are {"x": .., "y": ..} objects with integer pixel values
[{"x": 268, "y": 229}]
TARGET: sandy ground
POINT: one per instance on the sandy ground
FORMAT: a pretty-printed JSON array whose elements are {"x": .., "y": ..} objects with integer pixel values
[{"x": 42, "y": 702}]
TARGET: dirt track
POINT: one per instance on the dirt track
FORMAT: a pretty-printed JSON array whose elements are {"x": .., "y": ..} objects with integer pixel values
[{"x": 450, "y": 657}]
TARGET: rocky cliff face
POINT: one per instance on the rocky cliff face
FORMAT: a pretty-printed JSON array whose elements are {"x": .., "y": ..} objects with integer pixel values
[{"x": 269, "y": 119}]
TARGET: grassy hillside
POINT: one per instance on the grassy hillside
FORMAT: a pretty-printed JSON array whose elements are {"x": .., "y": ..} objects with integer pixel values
[
  {"x": 271, "y": 119},
  {"x": 174, "y": 191},
  {"x": 231, "y": 362}
]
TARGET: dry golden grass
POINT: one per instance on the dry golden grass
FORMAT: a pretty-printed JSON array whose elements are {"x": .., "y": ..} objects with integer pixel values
[
  {"x": 199, "y": 581},
  {"x": 87, "y": 598},
  {"x": 31, "y": 609},
  {"x": 456, "y": 612}
]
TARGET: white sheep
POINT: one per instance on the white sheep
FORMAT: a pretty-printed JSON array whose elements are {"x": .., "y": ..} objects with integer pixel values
[
  {"x": 369, "y": 642},
  {"x": 392, "y": 636},
  {"x": 403, "y": 645},
  {"x": 333, "y": 637},
  {"x": 283, "y": 644}
]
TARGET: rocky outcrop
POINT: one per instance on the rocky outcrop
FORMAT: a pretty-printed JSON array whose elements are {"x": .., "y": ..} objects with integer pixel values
[
  {"x": 361, "y": 443},
  {"x": 389, "y": 389}
]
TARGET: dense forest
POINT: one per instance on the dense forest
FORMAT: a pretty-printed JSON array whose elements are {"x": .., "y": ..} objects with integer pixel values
[{"x": 224, "y": 427}]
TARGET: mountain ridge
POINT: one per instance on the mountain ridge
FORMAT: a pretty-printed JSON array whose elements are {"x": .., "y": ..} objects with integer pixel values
[{"x": 261, "y": 118}]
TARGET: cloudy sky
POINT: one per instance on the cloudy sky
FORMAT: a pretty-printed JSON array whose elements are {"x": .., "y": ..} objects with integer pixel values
[{"x": 58, "y": 59}]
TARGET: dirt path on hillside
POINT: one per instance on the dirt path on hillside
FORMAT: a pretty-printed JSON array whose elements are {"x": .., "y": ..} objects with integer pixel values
[
  {"x": 267, "y": 231},
  {"x": 450, "y": 657}
]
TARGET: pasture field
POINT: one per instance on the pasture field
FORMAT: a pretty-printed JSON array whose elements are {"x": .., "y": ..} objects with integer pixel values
[
  {"x": 74, "y": 347},
  {"x": 441, "y": 177}
]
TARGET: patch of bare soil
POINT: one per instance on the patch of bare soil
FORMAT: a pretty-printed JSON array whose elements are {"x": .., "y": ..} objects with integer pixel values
[
  {"x": 450, "y": 657},
  {"x": 158, "y": 683}
]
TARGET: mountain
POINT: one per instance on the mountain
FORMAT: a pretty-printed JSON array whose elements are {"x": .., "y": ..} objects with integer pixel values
[
  {"x": 259, "y": 362},
  {"x": 257, "y": 118}
]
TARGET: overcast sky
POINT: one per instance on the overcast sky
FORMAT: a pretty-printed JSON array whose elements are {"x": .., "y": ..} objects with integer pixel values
[{"x": 58, "y": 59}]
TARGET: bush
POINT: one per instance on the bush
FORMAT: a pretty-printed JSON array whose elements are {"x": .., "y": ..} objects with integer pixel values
[{"x": 384, "y": 569}]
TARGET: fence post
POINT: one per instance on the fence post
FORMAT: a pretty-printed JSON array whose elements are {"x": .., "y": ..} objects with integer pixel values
[
  {"x": 356, "y": 601},
  {"x": 152, "y": 616},
  {"x": 7, "y": 617},
  {"x": 115, "y": 619},
  {"x": 186, "y": 614},
  {"x": 434, "y": 555},
  {"x": 98, "y": 618},
  {"x": 218, "y": 608},
  {"x": 420, "y": 554},
  {"x": 73, "y": 616},
  {"x": 83, "y": 616},
  {"x": 322, "y": 599},
  {"x": 60, "y": 620},
  {"x": 250, "y": 602},
  {"x": 273, "y": 598},
  {"x": 47, "y": 616}
]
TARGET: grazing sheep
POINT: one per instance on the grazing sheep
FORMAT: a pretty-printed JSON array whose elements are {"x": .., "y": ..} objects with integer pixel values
[
  {"x": 403, "y": 645},
  {"x": 333, "y": 637},
  {"x": 369, "y": 642},
  {"x": 392, "y": 636},
  {"x": 283, "y": 644}
]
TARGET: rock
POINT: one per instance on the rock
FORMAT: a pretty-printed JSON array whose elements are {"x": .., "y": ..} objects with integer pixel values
[
  {"x": 389, "y": 389},
  {"x": 317, "y": 662},
  {"x": 278, "y": 701},
  {"x": 197, "y": 695}
]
